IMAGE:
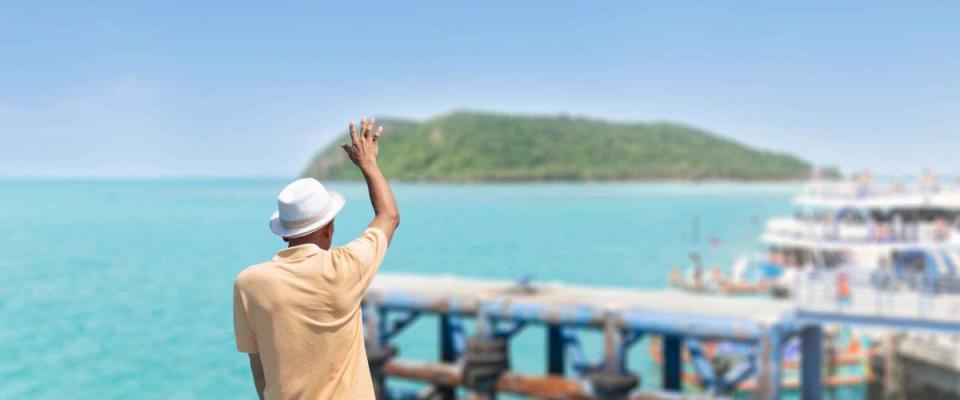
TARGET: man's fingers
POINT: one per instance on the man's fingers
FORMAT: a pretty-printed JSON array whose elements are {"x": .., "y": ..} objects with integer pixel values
[
  {"x": 376, "y": 135},
  {"x": 353, "y": 132},
  {"x": 365, "y": 128}
]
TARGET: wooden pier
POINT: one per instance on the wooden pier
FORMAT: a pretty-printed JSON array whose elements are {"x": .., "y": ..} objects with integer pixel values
[{"x": 479, "y": 361}]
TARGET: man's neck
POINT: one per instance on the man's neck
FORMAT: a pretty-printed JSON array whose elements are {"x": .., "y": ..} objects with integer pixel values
[{"x": 302, "y": 241}]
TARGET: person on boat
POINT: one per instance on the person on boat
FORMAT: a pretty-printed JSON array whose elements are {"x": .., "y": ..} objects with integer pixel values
[
  {"x": 787, "y": 281},
  {"x": 696, "y": 280},
  {"x": 776, "y": 258},
  {"x": 692, "y": 281},
  {"x": 865, "y": 184},
  {"x": 882, "y": 281},
  {"x": 883, "y": 231},
  {"x": 738, "y": 282},
  {"x": 718, "y": 282},
  {"x": 298, "y": 315},
  {"x": 941, "y": 230},
  {"x": 897, "y": 227},
  {"x": 714, "y": 283},
  {"x": 676, "y": 278},
  {"x": 697, "y": 271},
  {"x": 843, "y": 289},
  {"x": 873, "y": 233},
  {"x": 898, "y": 187}
]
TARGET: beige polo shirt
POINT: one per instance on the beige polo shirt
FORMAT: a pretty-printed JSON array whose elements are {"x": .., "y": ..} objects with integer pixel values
[{"x": 301, "y": 313}]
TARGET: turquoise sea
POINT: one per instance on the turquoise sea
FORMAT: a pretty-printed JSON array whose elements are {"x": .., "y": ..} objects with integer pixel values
[{"x": 121, "y": 289}]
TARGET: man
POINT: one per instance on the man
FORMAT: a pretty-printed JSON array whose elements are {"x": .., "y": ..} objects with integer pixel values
[{"x": 298, "y": 315}]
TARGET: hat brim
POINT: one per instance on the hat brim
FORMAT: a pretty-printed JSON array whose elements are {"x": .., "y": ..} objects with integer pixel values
[{"x": 337, "y": 202}]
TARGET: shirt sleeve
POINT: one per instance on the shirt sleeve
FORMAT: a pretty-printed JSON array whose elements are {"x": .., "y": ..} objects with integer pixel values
[
  {"x": 360, "y": 259},
  {"x": 246, "y": 341}
]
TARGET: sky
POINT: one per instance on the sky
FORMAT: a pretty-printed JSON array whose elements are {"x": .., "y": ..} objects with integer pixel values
[{"x": 188, "y": 88}]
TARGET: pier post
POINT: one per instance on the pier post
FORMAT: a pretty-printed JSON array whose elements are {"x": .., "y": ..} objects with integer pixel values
[
  {"x": 612, "y": 381},
  {"x": 672, "y": 348},
  {"x": 485, "y": 360},
  {"x": 378, "y": 352},
  {"x": 448, "y": 354},
  {"x": 556, "y": 347},
  {"x": 811, "y": 345},
  {"x": 771, "y": 365}
]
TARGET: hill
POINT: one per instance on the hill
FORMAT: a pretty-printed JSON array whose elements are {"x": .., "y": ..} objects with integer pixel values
[{"x": 471, "y": 146}]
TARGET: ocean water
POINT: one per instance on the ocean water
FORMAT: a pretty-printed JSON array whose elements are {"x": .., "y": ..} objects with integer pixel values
[{"x": 122, "y": 289}]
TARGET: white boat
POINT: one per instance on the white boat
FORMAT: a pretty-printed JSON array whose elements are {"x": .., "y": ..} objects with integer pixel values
[
  {"x": 890, "y": 246},
  {"x": 910, "y": 232}
]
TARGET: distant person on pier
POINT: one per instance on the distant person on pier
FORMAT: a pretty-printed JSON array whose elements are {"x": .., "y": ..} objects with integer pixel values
[{"x": 298, "y": 315}]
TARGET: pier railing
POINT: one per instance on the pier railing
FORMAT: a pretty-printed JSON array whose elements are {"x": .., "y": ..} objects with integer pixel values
[{"x": 479, "y": 360}]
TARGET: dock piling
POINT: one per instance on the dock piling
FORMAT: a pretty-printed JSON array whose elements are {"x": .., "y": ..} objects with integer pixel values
[
  {"x": 611, "y": 381},
  {"x": 811, "y": 345},
  {"x": 771, "y": 366},
  {"x": 672, "y": 362},
  {"x": 556, "y": 354},
  {"x": 486, "y": 357},
  {"x": 378, "y": 352},
  {"x": 450, "y": 328}
]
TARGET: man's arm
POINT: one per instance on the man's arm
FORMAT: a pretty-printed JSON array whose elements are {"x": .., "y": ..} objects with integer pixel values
[
  {"x": 363, "y": 152},
  {"x": 258, "y": 379}
]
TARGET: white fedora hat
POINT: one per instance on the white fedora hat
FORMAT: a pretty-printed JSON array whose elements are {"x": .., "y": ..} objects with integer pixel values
[{"x": 303, "y": 207}]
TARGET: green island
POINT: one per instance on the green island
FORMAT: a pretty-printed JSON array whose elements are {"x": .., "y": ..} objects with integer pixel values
[{"x": 468, "y": 146}]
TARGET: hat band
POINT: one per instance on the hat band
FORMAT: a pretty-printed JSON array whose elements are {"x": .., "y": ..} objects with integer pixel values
[{"x": 303, "y": 222}]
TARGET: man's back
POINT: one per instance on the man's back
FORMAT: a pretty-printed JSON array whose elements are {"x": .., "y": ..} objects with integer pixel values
[
  {"x": 298, "y": 315},
  {"x": 301, "y": 313}
]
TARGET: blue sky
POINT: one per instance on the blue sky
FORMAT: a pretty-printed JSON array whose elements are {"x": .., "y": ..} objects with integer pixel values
[{"x": 186, "y": 88}]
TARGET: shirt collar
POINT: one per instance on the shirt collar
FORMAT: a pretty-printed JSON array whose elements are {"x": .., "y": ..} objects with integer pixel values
[{"x": 297, "y": 252}]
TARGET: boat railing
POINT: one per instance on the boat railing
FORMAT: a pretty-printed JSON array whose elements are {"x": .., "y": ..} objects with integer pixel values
[
  {"x": 867, "y": 232},
  {"x": 878, "y": 293},
  {"x": 860, "y": 190}
]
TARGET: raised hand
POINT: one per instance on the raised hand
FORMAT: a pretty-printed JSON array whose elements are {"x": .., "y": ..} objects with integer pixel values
[
  {"x": 363, "y": 152},
  {"x": 364, "y": 145}
]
